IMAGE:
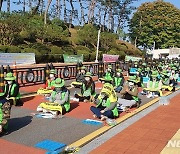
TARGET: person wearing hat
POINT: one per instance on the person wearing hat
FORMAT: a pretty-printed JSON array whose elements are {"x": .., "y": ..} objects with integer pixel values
[
  {"x": 80, "y": 78},
  {"x": 106, "y": 103},
  {"x": 129, "y": 95},
  {"x": 153, "y": 86},
  {"x": 118, "y": 81},
  {"x": 87, "y": 89},
  {"x": 11, "y": 91},
  {"x": 51, "y": 81},
  {"x": 59, "y": 101},
  {"x": 108, "y": 75},
  {"x": 173, "y": 77}
]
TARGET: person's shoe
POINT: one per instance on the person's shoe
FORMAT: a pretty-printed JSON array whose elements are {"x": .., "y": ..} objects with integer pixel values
[
  {"x": 103, "y": 118},
  {"x": 94, "y": 116}
]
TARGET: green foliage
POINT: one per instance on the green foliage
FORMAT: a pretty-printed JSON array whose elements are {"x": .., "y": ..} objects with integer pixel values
[
  {"x": 107, "y": 40},
  {"x": 88, "y": 36},
  {"x": 156, "y": 21}
]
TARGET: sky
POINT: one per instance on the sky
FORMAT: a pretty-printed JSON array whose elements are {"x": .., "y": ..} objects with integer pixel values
[
  {"x": 137, "y": 4},
  {"x": 176, "y": 3}
]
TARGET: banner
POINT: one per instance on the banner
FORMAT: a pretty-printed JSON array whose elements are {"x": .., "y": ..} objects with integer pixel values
[
  {"x": 127, "y": 58},
  {"x": 110, "y": 58},
  {"x": 18, "y": 58},
  {"x": 72, "y": 58}
]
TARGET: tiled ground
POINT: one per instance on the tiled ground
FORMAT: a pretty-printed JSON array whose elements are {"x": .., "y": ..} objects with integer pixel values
[{"x": 149, "y": 135}]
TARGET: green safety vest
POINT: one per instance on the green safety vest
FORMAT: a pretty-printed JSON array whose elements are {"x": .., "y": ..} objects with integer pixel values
[
  {"x": 12, "y": 91},
  {"x": 107, "y": 103},
  {"x": 66, "y": 104},
  {"x": 156, "y": 85},
  {"x": 51, "y": 83},
  {"x": 86, "y": 92},
  {"x": 117, "y": 81},
  {"x": 108, "y": 76}
]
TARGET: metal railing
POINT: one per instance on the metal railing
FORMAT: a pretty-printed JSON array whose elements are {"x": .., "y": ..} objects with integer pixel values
[{"x": 39, "y": 73}]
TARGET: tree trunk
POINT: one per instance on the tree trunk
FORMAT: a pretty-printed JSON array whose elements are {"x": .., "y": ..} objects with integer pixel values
[
  {"x": 82, "y": 13},
  {"x": 37, "y": 7},
  {"x": 24, "y": 6},
  {"x": 58, "y": 9},
  {"x": 1, "y": 1},
  {"x": 46, "y": 11},
  {"x": 91, "y": 11},
  {"x": 110, "y": 17},
  {"x": 72, "y": 13},
  {"x": 99, "y": 15},
  {"x": 104, "y": 18},
  {"x": 65, "y": 13},
  {"x": 8, "y": 5},
  {"x": 42, "y": 7}
]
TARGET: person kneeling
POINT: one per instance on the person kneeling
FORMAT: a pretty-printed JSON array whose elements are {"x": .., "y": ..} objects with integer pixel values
[
  {"x": 129, "y": 95},
  {"x": 106, "y": 103},
  {"x": 59, "y": 100}
]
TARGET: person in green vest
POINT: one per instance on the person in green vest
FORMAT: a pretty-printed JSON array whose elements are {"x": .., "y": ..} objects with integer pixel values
[
  {"x": 80, "y": 78},
  {"x": 129, "y": 95},
  {"x": 108, "y": 75},
  {"x": 106, "y": 103},
  {"x": 11, "y": 91},
  {"x": 51, "y": 81},
  {"x": 118, "y": 81},
  {"x": 59, "y": 101},
  {"x": 154, "y": 86},
  {"x": 87, "y": 89}
]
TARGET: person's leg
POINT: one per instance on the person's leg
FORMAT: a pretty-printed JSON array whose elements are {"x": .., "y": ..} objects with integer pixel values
[
  {"x": 96, "y": 111},
  {"x": 118, "y": 89},
  {"x": 109, "y": 114}
]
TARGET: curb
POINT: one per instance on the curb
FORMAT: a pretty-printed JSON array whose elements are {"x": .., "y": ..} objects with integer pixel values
[{"x": 83, "y": 141}]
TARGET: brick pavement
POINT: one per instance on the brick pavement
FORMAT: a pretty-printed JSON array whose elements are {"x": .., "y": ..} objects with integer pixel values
[{"x": 149, "y": 135}]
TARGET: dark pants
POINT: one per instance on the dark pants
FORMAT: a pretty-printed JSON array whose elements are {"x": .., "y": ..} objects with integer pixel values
[
  {"x": 118, "y": 89},
  {"x": 97, "y": 112},
  {"x": 82, "y": 98}
]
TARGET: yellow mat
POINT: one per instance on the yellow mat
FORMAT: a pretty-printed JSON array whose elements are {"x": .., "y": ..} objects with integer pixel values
[{"x": 173, "y": 145}]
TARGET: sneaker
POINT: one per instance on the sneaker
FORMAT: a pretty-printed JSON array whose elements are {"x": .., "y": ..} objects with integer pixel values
[{"x": 149, "y": 95}]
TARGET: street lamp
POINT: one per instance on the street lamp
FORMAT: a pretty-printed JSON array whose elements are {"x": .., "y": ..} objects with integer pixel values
[{"x": 97, "y": 51}]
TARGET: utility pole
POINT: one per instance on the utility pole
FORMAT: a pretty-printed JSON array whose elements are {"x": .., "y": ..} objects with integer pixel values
[{"x": 97, "y": 51}]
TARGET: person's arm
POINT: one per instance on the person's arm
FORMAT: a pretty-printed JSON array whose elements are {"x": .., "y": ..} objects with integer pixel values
[
  {"x": 133, "y": 93},
  {"x": 160, "y": 85},
  {"x": 123, "y": 91},
  {"x": 93, "y": 88},
  {"x": 62, "y": 101},
  {"x": 16, "y": 91},
  {"x": 51, "y": 98},
  {"x": 111, "y": 107}
]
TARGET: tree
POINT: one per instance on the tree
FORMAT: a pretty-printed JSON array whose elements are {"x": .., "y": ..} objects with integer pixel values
[
  {"x": 1, "y": 1},
  {"x": 46, "y": 11},
  {"x": 156, "y": 22}
]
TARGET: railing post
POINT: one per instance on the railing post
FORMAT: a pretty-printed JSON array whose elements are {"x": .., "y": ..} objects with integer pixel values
[
  {"x": 51, "y": 66},
  {"x": 8, "y": 69},
  {"x": 100, "y": 69},
  {"x": 1, "y": 79},
  {"x": 117, "y": 65},
  {"x": 78, "y": 66},
  {"x": 47, "y": 72}
]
